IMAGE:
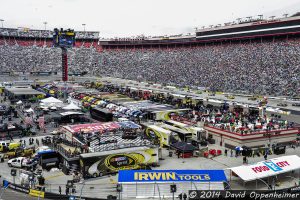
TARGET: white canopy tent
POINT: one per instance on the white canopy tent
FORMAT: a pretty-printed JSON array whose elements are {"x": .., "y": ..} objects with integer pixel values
[
  {"x": 71, "y": 106},
  {"x": 30, "y": 110},
  {"x": 268, "y": 168},
  {"x": 51, "y": 102}
]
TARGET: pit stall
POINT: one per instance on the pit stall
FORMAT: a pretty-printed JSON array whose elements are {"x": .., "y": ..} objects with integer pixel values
[
  {"x": 127, "y": 109},
  {"x": 154, "y": 111}
]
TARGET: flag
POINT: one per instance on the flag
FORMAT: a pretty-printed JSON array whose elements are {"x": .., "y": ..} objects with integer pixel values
[
  {"x": 41, "y": 122},
  {"x": 28, "y": 120}
]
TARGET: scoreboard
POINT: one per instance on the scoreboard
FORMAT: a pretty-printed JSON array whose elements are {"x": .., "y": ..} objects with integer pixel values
[{"x": 64, "y": 38}]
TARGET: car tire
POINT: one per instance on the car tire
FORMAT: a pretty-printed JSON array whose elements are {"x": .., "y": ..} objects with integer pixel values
[
  {"x": 100, "y": 174},
  {"x": 9, "y": 165},
  {"x": 95, "y": 175}
]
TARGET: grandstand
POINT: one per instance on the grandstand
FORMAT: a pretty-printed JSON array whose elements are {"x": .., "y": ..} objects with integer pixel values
[{"x": 259, "y": 56}]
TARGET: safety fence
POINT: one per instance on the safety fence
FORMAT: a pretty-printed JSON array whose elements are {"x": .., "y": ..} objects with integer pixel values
[{"x": 44, "y": 192}]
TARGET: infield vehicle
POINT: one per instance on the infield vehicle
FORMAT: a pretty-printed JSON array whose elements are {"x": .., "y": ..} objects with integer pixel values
[
  {"x": 4, "y": 146},
  {"x": 21, "y": 162},
  {"x": 20, "y": 152},
  {"x": 164, "y": 136},
  {"x": 14, "y": 145},
  {"x": 103, "y": 163}
]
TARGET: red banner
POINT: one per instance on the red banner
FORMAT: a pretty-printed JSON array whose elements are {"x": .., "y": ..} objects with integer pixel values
[{"x": 95, "y": 127}]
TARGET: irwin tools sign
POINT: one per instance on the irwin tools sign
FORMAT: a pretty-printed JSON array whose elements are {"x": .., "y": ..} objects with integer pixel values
[{"x": 171, "y": 176}]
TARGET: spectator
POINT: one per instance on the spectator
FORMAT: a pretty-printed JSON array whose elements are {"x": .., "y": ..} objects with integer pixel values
[
  {"x": 257, "y": 67},
  {"x": 59, "y": 189},
  {"x": 67, "y": 191}
]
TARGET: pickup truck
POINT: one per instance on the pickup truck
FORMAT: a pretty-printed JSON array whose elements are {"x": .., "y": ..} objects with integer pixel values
[{"x": 21, "y": 162}]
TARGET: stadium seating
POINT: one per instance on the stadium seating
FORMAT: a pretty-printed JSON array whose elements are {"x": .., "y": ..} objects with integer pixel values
[{"x": 262, "y": 68}]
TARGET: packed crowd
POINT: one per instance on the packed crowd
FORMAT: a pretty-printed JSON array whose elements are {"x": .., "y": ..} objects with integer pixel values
[
  {"x": 263, "y": 68},
  {"x": 29, "y": 58},
  {"x": 25, "y": 32},
  {"x": 267, "y": 68},
  {"x": 234, "y": 120},
  {"x": 245, "y": 123}
]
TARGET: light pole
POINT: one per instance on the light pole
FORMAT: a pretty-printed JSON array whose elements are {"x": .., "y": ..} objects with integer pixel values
[
  {"x": 45, "y": 23},
  {"x": 239, "y": 20},
  {"x": 119, "y": 190},
  {"x": 83, "y": 183},
  {"x": 2, "y": 20},
  {"x": 83, "y": 27}
]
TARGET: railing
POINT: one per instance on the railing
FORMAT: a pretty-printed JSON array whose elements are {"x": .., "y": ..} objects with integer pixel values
[
  {"x": 114, "y": 146},
  {"x": 251, "y": 132},
  {"x": 60, "y": 149}
]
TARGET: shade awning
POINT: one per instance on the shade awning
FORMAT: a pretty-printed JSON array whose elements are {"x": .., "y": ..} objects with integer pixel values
[
  {"x": 183, "y": 147},
  {"x": 71, "y": 106},
  {"x": 267, "y": 168},
  {"x": 30, "y": 110},
  {"x": 51, "y": 100}
]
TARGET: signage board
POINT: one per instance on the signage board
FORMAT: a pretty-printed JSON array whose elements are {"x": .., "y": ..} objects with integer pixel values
[{"x": 171, "y": 176}]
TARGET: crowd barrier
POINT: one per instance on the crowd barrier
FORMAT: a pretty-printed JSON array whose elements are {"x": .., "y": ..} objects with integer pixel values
[
  {"x": 49, "y": 195},
  {"x": 46, "y": 195}
]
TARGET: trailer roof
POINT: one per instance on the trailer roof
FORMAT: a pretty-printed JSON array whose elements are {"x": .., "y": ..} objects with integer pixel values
[{"x": 117, "y": 151}]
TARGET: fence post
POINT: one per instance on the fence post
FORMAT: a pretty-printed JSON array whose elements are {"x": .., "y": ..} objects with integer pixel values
[
  {"x": 136, "y": 189},
  {"x": 81, "y": 189},
  {"x": 154, "y": 188}
]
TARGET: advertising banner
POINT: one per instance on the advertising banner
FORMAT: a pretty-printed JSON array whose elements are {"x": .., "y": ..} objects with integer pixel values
[
  {"x": 267, "y": 168},
  {"x": 171, "y": 176},
  {"x": 36, "y": 193}
]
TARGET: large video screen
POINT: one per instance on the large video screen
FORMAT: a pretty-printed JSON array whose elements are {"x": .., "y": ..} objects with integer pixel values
[{"x": 64, "y": 38}]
